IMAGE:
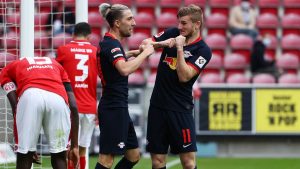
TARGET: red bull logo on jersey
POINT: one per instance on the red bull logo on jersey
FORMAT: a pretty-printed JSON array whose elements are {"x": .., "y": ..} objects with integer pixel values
[{"x": 172, "y": 62}]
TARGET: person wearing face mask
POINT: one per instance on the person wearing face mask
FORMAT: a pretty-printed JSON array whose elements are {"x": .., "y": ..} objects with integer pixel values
[
  {"x": 242, "y": 19},
  {"x": 259, "y": 64}
]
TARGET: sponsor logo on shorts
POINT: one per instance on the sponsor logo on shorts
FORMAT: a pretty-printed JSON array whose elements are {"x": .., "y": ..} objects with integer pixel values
[
  {"x": 121, "y": 145},
  {"x": 186, "y": 145}
]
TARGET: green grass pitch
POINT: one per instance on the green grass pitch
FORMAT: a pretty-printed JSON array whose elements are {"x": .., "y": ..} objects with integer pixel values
[{"x": 215, "y": 163}]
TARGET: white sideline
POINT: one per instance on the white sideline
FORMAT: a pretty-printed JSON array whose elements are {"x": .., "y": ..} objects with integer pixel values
[{"x": 173, "y": 163}]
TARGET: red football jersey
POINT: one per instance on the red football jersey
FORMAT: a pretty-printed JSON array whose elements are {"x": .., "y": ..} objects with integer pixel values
[
  {"x": 38, "y": 72},
  {"x": 79, "y": 60}
]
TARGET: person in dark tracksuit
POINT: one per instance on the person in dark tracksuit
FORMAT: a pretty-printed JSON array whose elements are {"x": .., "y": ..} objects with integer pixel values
[
  {"x": 117, "y": 134},
  {"x": 170, "y": 118}
]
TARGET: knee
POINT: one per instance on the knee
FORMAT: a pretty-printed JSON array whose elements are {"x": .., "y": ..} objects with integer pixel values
[
  {"x": 188, "y": 164},
  {"x": 158, "y": 161},
  {"x": 106, "y": 160},
  {"x": 133, "y": 155}
]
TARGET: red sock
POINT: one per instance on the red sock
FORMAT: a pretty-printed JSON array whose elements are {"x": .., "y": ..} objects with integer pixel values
[
  {"x": 82, "y": 162},
  {"x": 70, "y": 164}
]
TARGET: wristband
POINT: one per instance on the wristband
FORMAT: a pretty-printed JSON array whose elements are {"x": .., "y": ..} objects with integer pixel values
[{"x": 8, "y": 87}]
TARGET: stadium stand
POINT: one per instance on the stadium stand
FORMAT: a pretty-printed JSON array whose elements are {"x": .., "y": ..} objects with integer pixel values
[
  {"x": 288, "y": 63},
  {"x": 291, "y": 24},
  {"x": 144, "y": 22},
  {"x": 215, "y": 64},
  {"x": 235, "y": 63},
  {"x": 269, "y": 6},
  {"x": 242, "y": 44},
  {"x": 237, "y": 78},
  {"x": 166, "y": 20},
  {"x": 290, "y": 43},
  {"x": 217, "y": 43},
  {"x": 61, "y": 39},
  {"x": 134, "y": 41},
  {"x": 267, "y": 23},
  {"x": 211, "y": 78},
  {"x": 263, "y": 78},
  {"x": 288, "y": 79},
  {"x": 216, "y": 23}
]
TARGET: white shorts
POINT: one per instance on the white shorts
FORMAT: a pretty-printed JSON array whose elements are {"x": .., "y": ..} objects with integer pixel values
[
  {"x": 37, "y": 108},
  {"x": 86, "y": 128}
]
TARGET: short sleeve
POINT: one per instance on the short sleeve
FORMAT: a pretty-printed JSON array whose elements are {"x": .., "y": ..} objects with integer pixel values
[
  {"x": 60, "y": 55},
  {"x": 115, "y": 53},
  {"x": 166, "y": 34},
  {"x": 5, "y": 75},
  {"x": 63, "y": 74},
  {"x": 199, "y": 60}
]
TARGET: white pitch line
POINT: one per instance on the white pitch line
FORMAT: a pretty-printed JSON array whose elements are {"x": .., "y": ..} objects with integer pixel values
[{"x": 173, "y": 163}]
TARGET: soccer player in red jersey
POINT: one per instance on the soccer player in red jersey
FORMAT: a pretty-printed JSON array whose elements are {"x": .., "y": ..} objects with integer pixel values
[
  {"x": 79, "y": 60},
  {"x": 40, "y": 95}
]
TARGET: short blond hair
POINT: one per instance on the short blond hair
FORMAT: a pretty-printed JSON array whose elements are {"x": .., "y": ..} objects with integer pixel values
[{"x": 194, "y": 11}]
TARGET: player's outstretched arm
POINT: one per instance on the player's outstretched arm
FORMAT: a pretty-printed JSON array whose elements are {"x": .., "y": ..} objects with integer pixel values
[
  {"x": 74, "y": 151},
  {"x": 127, "y": 67},
  {"x": 161, "y": 44}
]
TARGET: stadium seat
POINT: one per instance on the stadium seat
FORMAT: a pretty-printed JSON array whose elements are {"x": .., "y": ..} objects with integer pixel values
[
  {"x": 291, "y": 24},
  {"x": 153, "y": 61},
  {"x": 13, "y": 18},
  {"x": 147, "y": 6},
  {"x": 95, "y": 3},
  {"x": 267, "y": 23},
  {"x": 136, "y": 78},
  {"x": 215, "y": 64},
  {"x": 216, "y": 23},
  {"x": 169, "y": 6},
  {"x": 290, "y": 44},
  {"x": 41, "y": 18},
  {"x": 134, "y": 41},
  {"x": 269, "y": 6},
  {"x": 124, "y": 2},
  {"x": 217, "y": 43},
  {"x": 151, "y": 79},
  {"x": 61, "y": 39},
  {"x": 6, "y": 58},
  {"x": 95, "y": 19},
  {"x": 242, "y": 44},
  {"x": 263, "y": 78},
  {"x": 94, "y": 39},
  {"x": 144, "y": 22},
  {"x": 41, "y": 39},
  {"x": 200, "y": 3},
  {"x": 11, "y": 39},
  {"x": 220, "y": 6},
  {"x": 166, "y": 20},
  {"x": 291, "y": 6},
  {"x": 288, "y": 62},
  {"x": 288, "y": 79},
  {"x": 235, "y": 63},
  {"x": 237, "y": 78},
  {"x": 211, "y": 78}
]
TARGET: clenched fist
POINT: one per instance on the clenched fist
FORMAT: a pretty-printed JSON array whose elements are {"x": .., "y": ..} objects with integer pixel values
[{"x": 180, "y": 41}]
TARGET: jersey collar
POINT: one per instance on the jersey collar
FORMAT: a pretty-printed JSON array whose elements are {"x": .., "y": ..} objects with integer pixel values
[
  {"x": 195, "y": 41},
  {"x": 110, "y": 35},
  {"x": 81, "y": 41}
]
